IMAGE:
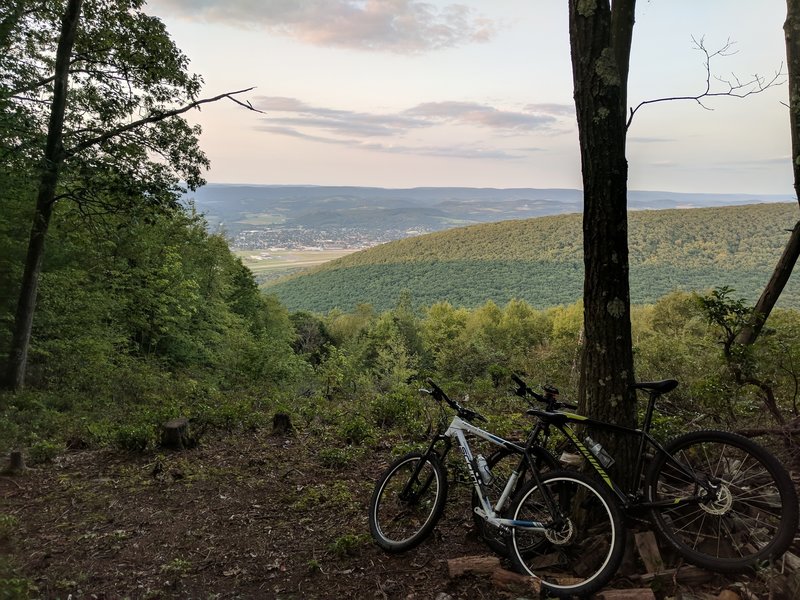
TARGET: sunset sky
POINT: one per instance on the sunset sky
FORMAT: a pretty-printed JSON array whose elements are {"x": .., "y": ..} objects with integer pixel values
[{"x": 401, "y": 93}]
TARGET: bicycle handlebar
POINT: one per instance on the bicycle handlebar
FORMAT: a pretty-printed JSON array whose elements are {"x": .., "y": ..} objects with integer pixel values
[
  {"x": 549, "y": 398},
  {"x": 465, "y": 413}
]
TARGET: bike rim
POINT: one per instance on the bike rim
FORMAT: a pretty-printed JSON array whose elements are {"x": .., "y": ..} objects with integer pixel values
[
  {"x": 744, "y": 516},
  {"x": 582, "y": 550},
  {"x": 398, "y": 520}
]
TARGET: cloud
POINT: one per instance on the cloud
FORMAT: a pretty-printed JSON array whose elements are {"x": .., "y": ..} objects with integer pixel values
[
  {"x": 728, "y": 166},
  {"x": 562, "y": 110},
  {"x": 470, "y": 113},
  {"x": 389, "y": 132},
  {"x": 340, "y": 122},
  {"x": 651, "y": 140},
  {"x": 736, "y": 166},
  {"x": 291, "y": 112},
  {"x": 402, "y": 26},
  {"x": 448, "y": 151}
]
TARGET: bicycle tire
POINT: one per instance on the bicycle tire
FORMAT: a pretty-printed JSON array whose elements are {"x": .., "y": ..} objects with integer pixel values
[
  {"x": 753, "y": 518},
  {"x": 501, "y": 463},
  {"x": 398, "y": 524},
  {"x": 581, "y": 557}
]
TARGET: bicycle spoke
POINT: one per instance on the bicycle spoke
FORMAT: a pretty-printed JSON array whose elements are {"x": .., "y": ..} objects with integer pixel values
[
  {"x": 741, "y": 518},
  {"x": 578, "y": 554}
]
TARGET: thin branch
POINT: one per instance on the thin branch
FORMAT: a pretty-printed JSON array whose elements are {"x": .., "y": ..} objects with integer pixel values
[
  {"x": 736, "y": 88},
  {"x": 155, "y": 118}
]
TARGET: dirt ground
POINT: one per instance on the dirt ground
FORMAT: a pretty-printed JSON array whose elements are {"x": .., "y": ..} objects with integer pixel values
[{"x": 247, "y": 515}]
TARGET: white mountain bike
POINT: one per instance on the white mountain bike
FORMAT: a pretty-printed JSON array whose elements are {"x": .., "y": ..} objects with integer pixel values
[{"x": 572, "y": 526}]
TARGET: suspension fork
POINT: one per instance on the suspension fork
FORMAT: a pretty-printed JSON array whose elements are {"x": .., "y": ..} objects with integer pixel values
[
  {"x": 552, "y": 505},
  {"x": 408, "y": 494}
]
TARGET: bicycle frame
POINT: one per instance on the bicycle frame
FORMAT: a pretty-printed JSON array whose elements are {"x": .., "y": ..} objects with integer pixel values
[
  {"x": 560, "y": 420},
  {"x": 457, "y": 431}
]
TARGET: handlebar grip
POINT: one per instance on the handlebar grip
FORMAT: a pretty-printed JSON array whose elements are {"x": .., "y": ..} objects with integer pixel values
[
  {"x": 570, "y": 406},
  {"x": 522, "y": 388}
]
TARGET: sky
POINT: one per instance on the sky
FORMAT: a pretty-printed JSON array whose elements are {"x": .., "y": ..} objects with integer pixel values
[{"x": 477, "y": 93}]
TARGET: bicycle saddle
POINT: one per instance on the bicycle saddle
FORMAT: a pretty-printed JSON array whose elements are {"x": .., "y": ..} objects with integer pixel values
[{"x": 659, "y": 387}]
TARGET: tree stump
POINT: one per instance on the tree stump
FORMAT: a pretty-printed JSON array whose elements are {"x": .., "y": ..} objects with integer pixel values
[
  {"x": 175, "y": 434},
  {"x": 281, "y": 424},
  {"x": 16, "y": 463}
]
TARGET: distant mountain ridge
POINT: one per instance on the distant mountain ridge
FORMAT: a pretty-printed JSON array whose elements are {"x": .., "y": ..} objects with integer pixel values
[
  {"x": 540, "y": 260},
  {"x": 388, "y": 213}
]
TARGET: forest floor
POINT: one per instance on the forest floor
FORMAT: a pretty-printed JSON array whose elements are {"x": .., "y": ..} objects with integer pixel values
[{"x": 246, "y": 515}]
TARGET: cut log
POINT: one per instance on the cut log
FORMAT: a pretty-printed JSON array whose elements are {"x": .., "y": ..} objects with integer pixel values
[
  {"x": 175, "y": 434},
  {"x": 281, "y": 424},
  {"x": 647, "y": 546},
  {"x": 472, "y": 564},
  {"x": 630, "y": 594},
  {"x": 514, "y": 582},
  {"x": 687, "y": 575},
  {"x": 501, "y": 578},
  {"x": 791, "y": 564}
]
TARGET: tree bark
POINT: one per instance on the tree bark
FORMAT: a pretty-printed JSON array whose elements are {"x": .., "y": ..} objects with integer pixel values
[
  {"x": 600, "y": 80},
  {"x": 791, "y": 252},
  {"x": 50, "y": 167}
]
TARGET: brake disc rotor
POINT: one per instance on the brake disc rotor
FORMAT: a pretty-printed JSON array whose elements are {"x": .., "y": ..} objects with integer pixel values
[
  {"x": 722, "y": 504},
  {"x": 562, "y": 536}
]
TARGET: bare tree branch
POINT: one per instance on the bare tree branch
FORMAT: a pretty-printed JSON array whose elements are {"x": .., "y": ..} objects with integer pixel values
[
  {"x": 155, "y": 118},
  {"x": 736, "y": 88}
]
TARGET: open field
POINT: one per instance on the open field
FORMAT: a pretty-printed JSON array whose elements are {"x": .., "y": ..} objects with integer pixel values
[{"x": 271, "y": 264}]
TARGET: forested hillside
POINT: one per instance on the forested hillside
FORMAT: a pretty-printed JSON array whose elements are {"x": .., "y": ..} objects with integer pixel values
[{"x": 539, "y": 260}]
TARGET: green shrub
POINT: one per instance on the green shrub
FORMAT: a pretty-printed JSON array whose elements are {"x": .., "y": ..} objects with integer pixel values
[
  {"x": 336, "y": 458},
  {"x": 134, "y": 438},
  {"x": 356, "y": 430},
  {"x": 347, "y": 544},
  {"x": 391, "y": 408},
  {"x": 16, "y": 588},
  {"x": 44, "y": 451},
  {"x": 7, "y": 525}
]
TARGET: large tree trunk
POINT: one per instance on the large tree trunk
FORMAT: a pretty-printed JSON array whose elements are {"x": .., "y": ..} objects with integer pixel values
[
  {"x": 51, "y": 165},
  {"x": 791, "y": 252},
  {"x": 599, "y": 65}
]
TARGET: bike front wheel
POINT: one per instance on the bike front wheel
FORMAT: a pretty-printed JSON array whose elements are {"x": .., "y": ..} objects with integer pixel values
[
  {"x": 407, "y": 502},
  {"x": 583, "y": 540},
  {"x": 750, "y": 516}
]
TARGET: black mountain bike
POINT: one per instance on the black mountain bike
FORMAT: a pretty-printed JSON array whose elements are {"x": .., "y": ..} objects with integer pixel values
[
  {"x": 562, "y": 513},
  {"x": 721, "y": 500}
]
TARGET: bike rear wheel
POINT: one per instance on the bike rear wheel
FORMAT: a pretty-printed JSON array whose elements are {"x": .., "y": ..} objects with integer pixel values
[
  {"x": 405, "y": 508},
  {"x": 582, "y": 553},
  {"x": 752, "y": 517}
]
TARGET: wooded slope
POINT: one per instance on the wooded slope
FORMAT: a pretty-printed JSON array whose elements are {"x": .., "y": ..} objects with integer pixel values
[{"x": 539, "y": 260}]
